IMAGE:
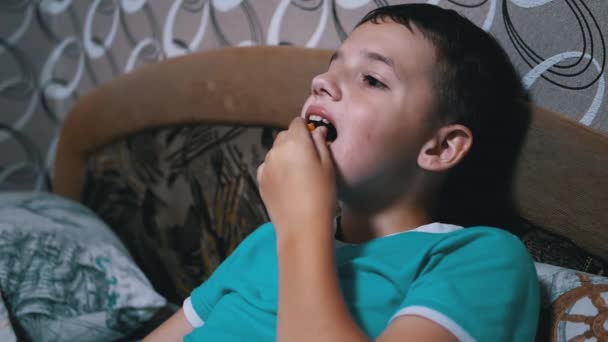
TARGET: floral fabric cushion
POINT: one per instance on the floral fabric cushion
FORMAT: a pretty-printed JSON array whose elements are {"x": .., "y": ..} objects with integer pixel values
[
  {"x": 65, "y": 276},
  {"x": 574, "y": 305},
  {"x": 181, "y": 198}
]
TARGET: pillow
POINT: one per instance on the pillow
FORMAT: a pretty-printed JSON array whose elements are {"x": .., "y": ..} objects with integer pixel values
[
  {"x": 574, "y": 305},
  {"x": 64, "y": 275}
]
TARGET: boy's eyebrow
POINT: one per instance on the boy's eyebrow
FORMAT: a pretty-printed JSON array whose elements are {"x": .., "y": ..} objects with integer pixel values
[
  {"x": 381, "y": 58},
  {"x": 374, "y": 56}
]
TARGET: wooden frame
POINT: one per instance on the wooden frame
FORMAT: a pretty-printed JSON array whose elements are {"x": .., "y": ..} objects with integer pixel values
[{"x": 562, "y": 178}]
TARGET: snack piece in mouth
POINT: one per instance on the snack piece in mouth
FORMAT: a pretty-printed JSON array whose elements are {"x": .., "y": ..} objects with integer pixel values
[{"x": 315, "y": 121}]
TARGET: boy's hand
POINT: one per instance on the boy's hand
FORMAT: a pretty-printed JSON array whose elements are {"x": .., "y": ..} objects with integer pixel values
[{"x": 297, "y": 180}]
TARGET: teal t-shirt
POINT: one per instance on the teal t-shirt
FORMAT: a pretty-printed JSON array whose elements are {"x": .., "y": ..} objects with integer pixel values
[{"x": 479, "y": 283}]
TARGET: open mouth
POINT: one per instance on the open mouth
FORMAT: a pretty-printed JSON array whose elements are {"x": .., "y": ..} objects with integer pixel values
[{"x": 315, "y": 121}]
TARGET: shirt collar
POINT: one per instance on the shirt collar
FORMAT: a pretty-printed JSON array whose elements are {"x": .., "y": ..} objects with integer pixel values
[{"x": 432, "y": 228}]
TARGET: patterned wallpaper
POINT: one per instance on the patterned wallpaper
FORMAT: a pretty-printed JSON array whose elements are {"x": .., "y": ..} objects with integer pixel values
[{"x": 53, "y": 51}]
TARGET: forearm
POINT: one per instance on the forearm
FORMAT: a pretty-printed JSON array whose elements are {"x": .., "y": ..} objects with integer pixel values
[
  {"x": 311, "y": 306},
  {"x": 174, "y": 329}
]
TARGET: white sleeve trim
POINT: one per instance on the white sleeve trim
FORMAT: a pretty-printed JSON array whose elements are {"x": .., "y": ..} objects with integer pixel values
[
  {"x": 191, "y": 315},
  {"x": 437, "y": 317}
]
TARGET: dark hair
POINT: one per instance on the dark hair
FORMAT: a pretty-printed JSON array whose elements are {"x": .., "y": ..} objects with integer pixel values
[{"x": 477, "y": 86}]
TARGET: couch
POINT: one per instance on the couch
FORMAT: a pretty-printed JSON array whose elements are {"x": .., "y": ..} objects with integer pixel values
[{"x": 166, "y": 156}]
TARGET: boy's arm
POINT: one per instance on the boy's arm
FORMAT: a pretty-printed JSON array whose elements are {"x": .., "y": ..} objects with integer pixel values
[
  {"x": 173, "y": 329},
  {"x": 414, "y": 328},
  {"x": 311, "y": 307}
]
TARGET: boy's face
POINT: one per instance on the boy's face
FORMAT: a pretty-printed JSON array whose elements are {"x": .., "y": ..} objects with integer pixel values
[{"x": 378, "y": 93}]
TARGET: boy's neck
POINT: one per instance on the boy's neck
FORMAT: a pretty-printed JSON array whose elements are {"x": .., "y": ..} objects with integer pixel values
[{"x": 358, "y": 227}]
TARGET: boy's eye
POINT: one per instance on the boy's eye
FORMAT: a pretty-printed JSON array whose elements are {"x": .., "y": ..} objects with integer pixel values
[{"x": 373, "y": 82}]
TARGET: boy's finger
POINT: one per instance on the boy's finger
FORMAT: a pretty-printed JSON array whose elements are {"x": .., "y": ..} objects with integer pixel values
[
  {"x": 296, "y": 121},
  {"x": 298, "y": 126},
  {"x": 280, "y": 136},
  {"x": 319, "y": 136}
]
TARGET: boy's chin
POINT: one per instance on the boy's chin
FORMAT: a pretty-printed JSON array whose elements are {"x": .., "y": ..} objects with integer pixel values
[
  {"x": 351, "y": 195},
  {"x": 371, "y": 193}
]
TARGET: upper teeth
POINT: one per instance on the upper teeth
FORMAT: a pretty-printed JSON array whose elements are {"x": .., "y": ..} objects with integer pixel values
[{"x": 314, "y": 117}]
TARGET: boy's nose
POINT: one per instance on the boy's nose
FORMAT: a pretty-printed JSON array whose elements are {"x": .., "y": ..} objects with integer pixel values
[{"x": 323, "y": 86}]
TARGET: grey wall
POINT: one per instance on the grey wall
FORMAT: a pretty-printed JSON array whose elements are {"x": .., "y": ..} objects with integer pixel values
[{"x": 53, "y": 51}]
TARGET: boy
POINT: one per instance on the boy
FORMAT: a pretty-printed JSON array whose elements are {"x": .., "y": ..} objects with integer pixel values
[{"x": 415, "y": 110}]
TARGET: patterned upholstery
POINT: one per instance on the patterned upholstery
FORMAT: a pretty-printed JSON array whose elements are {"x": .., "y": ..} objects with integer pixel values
[
  {"x": 180, "y": 198},
  {"x": 552, "y": 249}
]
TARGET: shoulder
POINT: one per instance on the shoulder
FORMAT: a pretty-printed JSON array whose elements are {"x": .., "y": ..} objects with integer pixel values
[
  {"x": 484, "y": 252},
  {"x": 470, "y": 273},
  {"x": 483, "y": 240}
]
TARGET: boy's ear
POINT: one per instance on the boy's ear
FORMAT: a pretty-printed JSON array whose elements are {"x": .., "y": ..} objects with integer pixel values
[{"x": 446, "y": 148}]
